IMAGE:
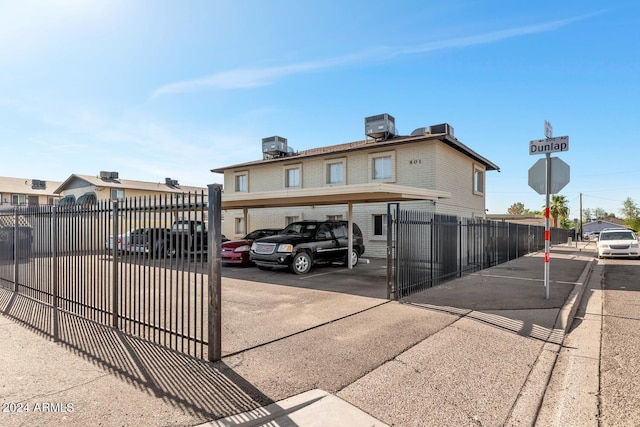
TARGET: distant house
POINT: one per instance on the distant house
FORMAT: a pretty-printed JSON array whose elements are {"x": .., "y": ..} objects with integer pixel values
[
  {"x": 600, "y": 224},
  {"x": 431, "y": 165},
  {"x": 27, "y": 192},
  {"x": 81, "y": 189},
  {"x": 528, "y": 219}
]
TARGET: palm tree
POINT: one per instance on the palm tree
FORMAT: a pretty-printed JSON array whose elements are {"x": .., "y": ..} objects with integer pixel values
[{"x": 558, "y": 209}]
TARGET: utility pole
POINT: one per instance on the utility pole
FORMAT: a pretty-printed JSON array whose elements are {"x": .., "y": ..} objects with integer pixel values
[{"x": 581, "y": 221}]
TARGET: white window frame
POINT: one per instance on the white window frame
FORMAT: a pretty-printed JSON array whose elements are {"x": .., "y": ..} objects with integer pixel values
[
  {"x": 117, "y": 194},
  {"x": 383, "y": 218},
  {"x": 327, "y": 168},
  {"x": 239, "y": 226},
  {"x": 287, "y": 170},
  {"x": 478, "y": 180},
  {"x": 291, "y": 219},
  {"x": 237, "y": 177},
  {"x": 373, "y": 157},
  {"x": 21, "y": 199},
  {"x": 334, "y": 217}
]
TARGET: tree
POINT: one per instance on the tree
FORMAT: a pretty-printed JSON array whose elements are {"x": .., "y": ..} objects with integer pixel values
[
  {"x": 558, "y": 210},
  {"x": 586, "y": 214},
  {"x": 600, "y": 213},
  {"x": 516, "y": 209},
  {"x": 631, "y": 214}
]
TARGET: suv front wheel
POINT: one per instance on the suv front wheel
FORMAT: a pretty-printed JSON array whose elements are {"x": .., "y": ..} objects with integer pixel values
[{"x": 301, "y": 263}]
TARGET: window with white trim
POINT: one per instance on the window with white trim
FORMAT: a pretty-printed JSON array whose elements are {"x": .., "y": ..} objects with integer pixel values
[
  {"x": 382, "y": 167},
  {"x": 380, "y": 225},
  {"x": 240, "y": 227},
  {"x": 18, "y": 199},
  {"x": 334, "y": 217},
  {"x": 292, "y": 177},
  {"x": 117, "y": 194},
  {"x": 241, "y": 181},
  {"x": 478, "y": 181},
  {"x": 335, "y": 171},
  {"x": 291, "y": 219}
]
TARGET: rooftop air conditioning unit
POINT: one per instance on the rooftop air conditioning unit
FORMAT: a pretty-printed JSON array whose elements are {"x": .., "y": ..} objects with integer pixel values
[
  {"x": 37, "y": 184},
  {"x": 445, "y": 128},
  {"x": 274, "y": 146},
  {"x": 171, "y": 182},
  {"x": 381, "y": 126},
  {"x": 108, "y": 175}
]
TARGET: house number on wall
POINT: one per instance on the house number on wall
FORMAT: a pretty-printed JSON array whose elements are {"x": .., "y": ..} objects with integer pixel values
[{"x": 415, "y": 162}]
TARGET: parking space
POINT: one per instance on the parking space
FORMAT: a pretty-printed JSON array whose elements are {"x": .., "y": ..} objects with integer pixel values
[
  {"x": 259, "y": 307},
  {"x": 368, "y": 278}
]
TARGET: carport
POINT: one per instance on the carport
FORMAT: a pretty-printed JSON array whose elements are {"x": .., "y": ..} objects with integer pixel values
[{"x": 337, "y": 195}]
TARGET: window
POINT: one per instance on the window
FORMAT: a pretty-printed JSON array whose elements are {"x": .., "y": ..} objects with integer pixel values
[
  {"x": 242, "y": 182},
  {"x": 380, "y": 225},
  {"x": 291, "y": 219},
  {"x": 240, "y": 227},
  {"x": 87, "y": 199},
  {"x": 382, "y": 167},
  {"x": 335, "y": 171},
  {"x": 478, "y": 181},
  {"x": 334, "y": 217},
  {"x": 117, "y": 194},
  {"x": 18, "y": 199},
  {"x": 292, "y": 177}
]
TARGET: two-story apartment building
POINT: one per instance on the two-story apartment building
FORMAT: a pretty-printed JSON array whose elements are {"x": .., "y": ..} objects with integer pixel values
[
  {"x": 26, "y": 191},
  {"x": 430, "y": 159},
  {"x": 109, "y": 186}
]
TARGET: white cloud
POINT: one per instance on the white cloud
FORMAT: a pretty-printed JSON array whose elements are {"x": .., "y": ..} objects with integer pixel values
[{"x": 245, "y": 78}]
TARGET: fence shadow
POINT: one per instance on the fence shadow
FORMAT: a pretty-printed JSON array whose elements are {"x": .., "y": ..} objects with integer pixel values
[{"x": 198, "y": 388}]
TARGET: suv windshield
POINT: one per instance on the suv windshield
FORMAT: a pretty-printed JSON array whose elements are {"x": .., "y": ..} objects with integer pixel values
[
  {"x": 300, "y": 228},
  {"x": 617, "y": 235}
]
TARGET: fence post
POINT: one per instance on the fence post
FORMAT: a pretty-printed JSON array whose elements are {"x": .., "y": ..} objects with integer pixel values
[
  {"x": 215, "y": 272},
  {"x": 460, "y": 248},
  {"x": 54, "y": 255},
  {"x": 115, "y": 313},
  {"x": 15, "y": 249}
]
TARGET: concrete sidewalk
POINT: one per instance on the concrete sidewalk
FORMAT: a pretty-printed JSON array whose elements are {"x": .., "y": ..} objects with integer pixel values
[{"x": 476, "y": 350}]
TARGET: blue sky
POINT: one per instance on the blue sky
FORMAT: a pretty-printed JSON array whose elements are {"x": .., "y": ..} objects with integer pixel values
[{"x": 155, "y": 88}]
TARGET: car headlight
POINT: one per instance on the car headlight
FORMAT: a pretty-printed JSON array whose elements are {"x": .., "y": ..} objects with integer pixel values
[
  {"x": 253, "y": 246},
  {"x": 243, "y": 248},
  {"x": 635, "y": 245},
  {"x": 285, "y": 247}
]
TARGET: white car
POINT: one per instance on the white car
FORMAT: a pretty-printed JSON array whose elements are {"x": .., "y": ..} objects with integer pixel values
[{"x": 617, "y": 243}]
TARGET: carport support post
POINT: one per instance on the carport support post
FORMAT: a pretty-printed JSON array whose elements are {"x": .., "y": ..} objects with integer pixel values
[
  {"x": 215, "y": 273},
  {"x": 350, "y": 240}
]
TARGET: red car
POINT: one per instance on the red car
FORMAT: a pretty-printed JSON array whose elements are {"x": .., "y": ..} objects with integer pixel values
[{"x": 237, "y": 251}]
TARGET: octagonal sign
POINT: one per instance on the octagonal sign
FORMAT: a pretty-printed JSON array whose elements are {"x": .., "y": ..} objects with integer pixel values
[{"x": 559, "y": 175}]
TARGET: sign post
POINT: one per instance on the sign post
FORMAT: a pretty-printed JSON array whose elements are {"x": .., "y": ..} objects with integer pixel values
[{"x": 556, "y": 173}]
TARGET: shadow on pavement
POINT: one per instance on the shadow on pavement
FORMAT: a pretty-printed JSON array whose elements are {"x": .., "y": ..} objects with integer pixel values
[{"x": 201, "y": 389}]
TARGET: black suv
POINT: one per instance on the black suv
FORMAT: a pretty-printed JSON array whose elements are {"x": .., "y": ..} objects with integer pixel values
[{"x": 305, "y": 243}]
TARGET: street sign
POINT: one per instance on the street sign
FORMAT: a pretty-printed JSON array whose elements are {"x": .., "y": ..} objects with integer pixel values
[
  {"x": 548, "y": 129},
  {"x": 559, "y": 176},
  {"x": 549, "y": 145}
]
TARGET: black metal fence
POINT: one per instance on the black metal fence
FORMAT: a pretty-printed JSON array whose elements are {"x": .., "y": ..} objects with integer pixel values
[
  {"x": 426, "y": 249},
  {"x": 139, "y": 265}
]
